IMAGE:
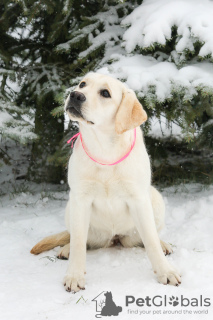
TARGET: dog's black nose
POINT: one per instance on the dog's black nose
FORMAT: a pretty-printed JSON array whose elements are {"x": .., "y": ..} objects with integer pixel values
[{"x": 77, "y": 96}]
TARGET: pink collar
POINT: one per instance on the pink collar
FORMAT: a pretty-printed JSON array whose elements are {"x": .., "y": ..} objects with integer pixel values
[{"x": 103, "y": 164}]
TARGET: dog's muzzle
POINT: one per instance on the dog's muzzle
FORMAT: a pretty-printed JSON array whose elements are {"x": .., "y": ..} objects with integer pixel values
[{"x": 75, "y": 103}]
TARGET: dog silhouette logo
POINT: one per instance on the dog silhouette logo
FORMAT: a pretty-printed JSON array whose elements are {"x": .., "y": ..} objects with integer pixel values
[{"x": 105, "y": 305}]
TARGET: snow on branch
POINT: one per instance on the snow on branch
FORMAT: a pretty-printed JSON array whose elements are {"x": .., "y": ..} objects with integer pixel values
[
  {"x": 50, "y": 74},
  {"x": 145, "y": 75},
  {"x": 152, "y": 22},
  {"x": 16, "y": 123},
  {"x": 111, "y": 32}
]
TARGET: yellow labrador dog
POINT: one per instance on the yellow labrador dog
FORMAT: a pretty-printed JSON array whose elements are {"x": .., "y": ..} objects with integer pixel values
[{"x": 111, "y": 197}]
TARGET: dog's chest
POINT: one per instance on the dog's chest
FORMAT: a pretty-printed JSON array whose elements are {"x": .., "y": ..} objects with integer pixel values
[{"x": 109, "y": 208}]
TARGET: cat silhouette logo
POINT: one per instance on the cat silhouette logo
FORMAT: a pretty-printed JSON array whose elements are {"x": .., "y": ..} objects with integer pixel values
[{"x": 105, "y": 305}]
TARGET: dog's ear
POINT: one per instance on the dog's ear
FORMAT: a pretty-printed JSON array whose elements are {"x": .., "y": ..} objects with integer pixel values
[{"x": 130, "y": 113}]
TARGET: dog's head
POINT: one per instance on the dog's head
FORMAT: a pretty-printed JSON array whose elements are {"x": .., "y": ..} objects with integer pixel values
[{"x": 101, "y": 101}]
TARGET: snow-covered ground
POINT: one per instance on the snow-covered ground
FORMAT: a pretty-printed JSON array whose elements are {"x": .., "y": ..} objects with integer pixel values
[{"x": 31, "y": 286}]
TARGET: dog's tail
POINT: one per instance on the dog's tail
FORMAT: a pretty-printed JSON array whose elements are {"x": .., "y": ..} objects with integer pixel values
[{"x": 59, "y": 239}]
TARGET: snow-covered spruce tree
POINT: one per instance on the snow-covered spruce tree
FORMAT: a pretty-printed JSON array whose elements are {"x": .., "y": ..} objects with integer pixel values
[
  {"x": 21, "y": 59},
  {"x": 31, "y": 32},
  {"x": 168, "y": 62},
  {"x": 15, "y": 121}
]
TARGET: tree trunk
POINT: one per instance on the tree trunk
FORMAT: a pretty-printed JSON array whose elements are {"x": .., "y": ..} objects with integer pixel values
[{"x": 50, "y": 131}]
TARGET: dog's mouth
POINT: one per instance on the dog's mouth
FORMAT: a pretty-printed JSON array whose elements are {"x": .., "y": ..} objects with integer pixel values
[
  {"x": 77, "y": 114},
  {"x": 74, "y": 111}
]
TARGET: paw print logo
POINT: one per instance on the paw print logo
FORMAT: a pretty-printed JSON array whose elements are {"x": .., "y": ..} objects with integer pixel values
[{"x": 173, "y": 301}]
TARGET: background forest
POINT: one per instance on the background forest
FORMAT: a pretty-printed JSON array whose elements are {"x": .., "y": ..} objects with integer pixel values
[{"x": 162, "y": 49}]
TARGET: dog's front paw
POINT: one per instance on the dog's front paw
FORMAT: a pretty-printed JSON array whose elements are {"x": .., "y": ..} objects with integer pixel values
[
  {"x": 74, "y": 282},
  {"x": 169, "y": 275}
]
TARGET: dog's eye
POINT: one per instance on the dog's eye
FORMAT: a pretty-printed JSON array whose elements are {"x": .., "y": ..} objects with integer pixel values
[
  {"x": 105, "y": 93},
  {"x": 82, "y": 84}
]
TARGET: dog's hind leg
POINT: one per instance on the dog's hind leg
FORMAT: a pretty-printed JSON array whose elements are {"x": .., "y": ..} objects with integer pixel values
[
  {"x": 134, "y": 240},
  {"x": 166, "y": 247},
  {"x": 131, "y": 240},
  {"x": 64, "y": 252}
]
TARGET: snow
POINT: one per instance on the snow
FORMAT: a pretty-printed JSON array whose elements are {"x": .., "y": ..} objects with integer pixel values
[
  {"x": 142, "y": 73},
  {"x": 152, "y": 21},
  {"x": 31, "y": 286}
]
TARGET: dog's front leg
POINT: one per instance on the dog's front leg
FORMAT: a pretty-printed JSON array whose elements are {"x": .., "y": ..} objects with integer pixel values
[
  {"x": 79, "y": 217},
  {"x": 142, "y": 213}
]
